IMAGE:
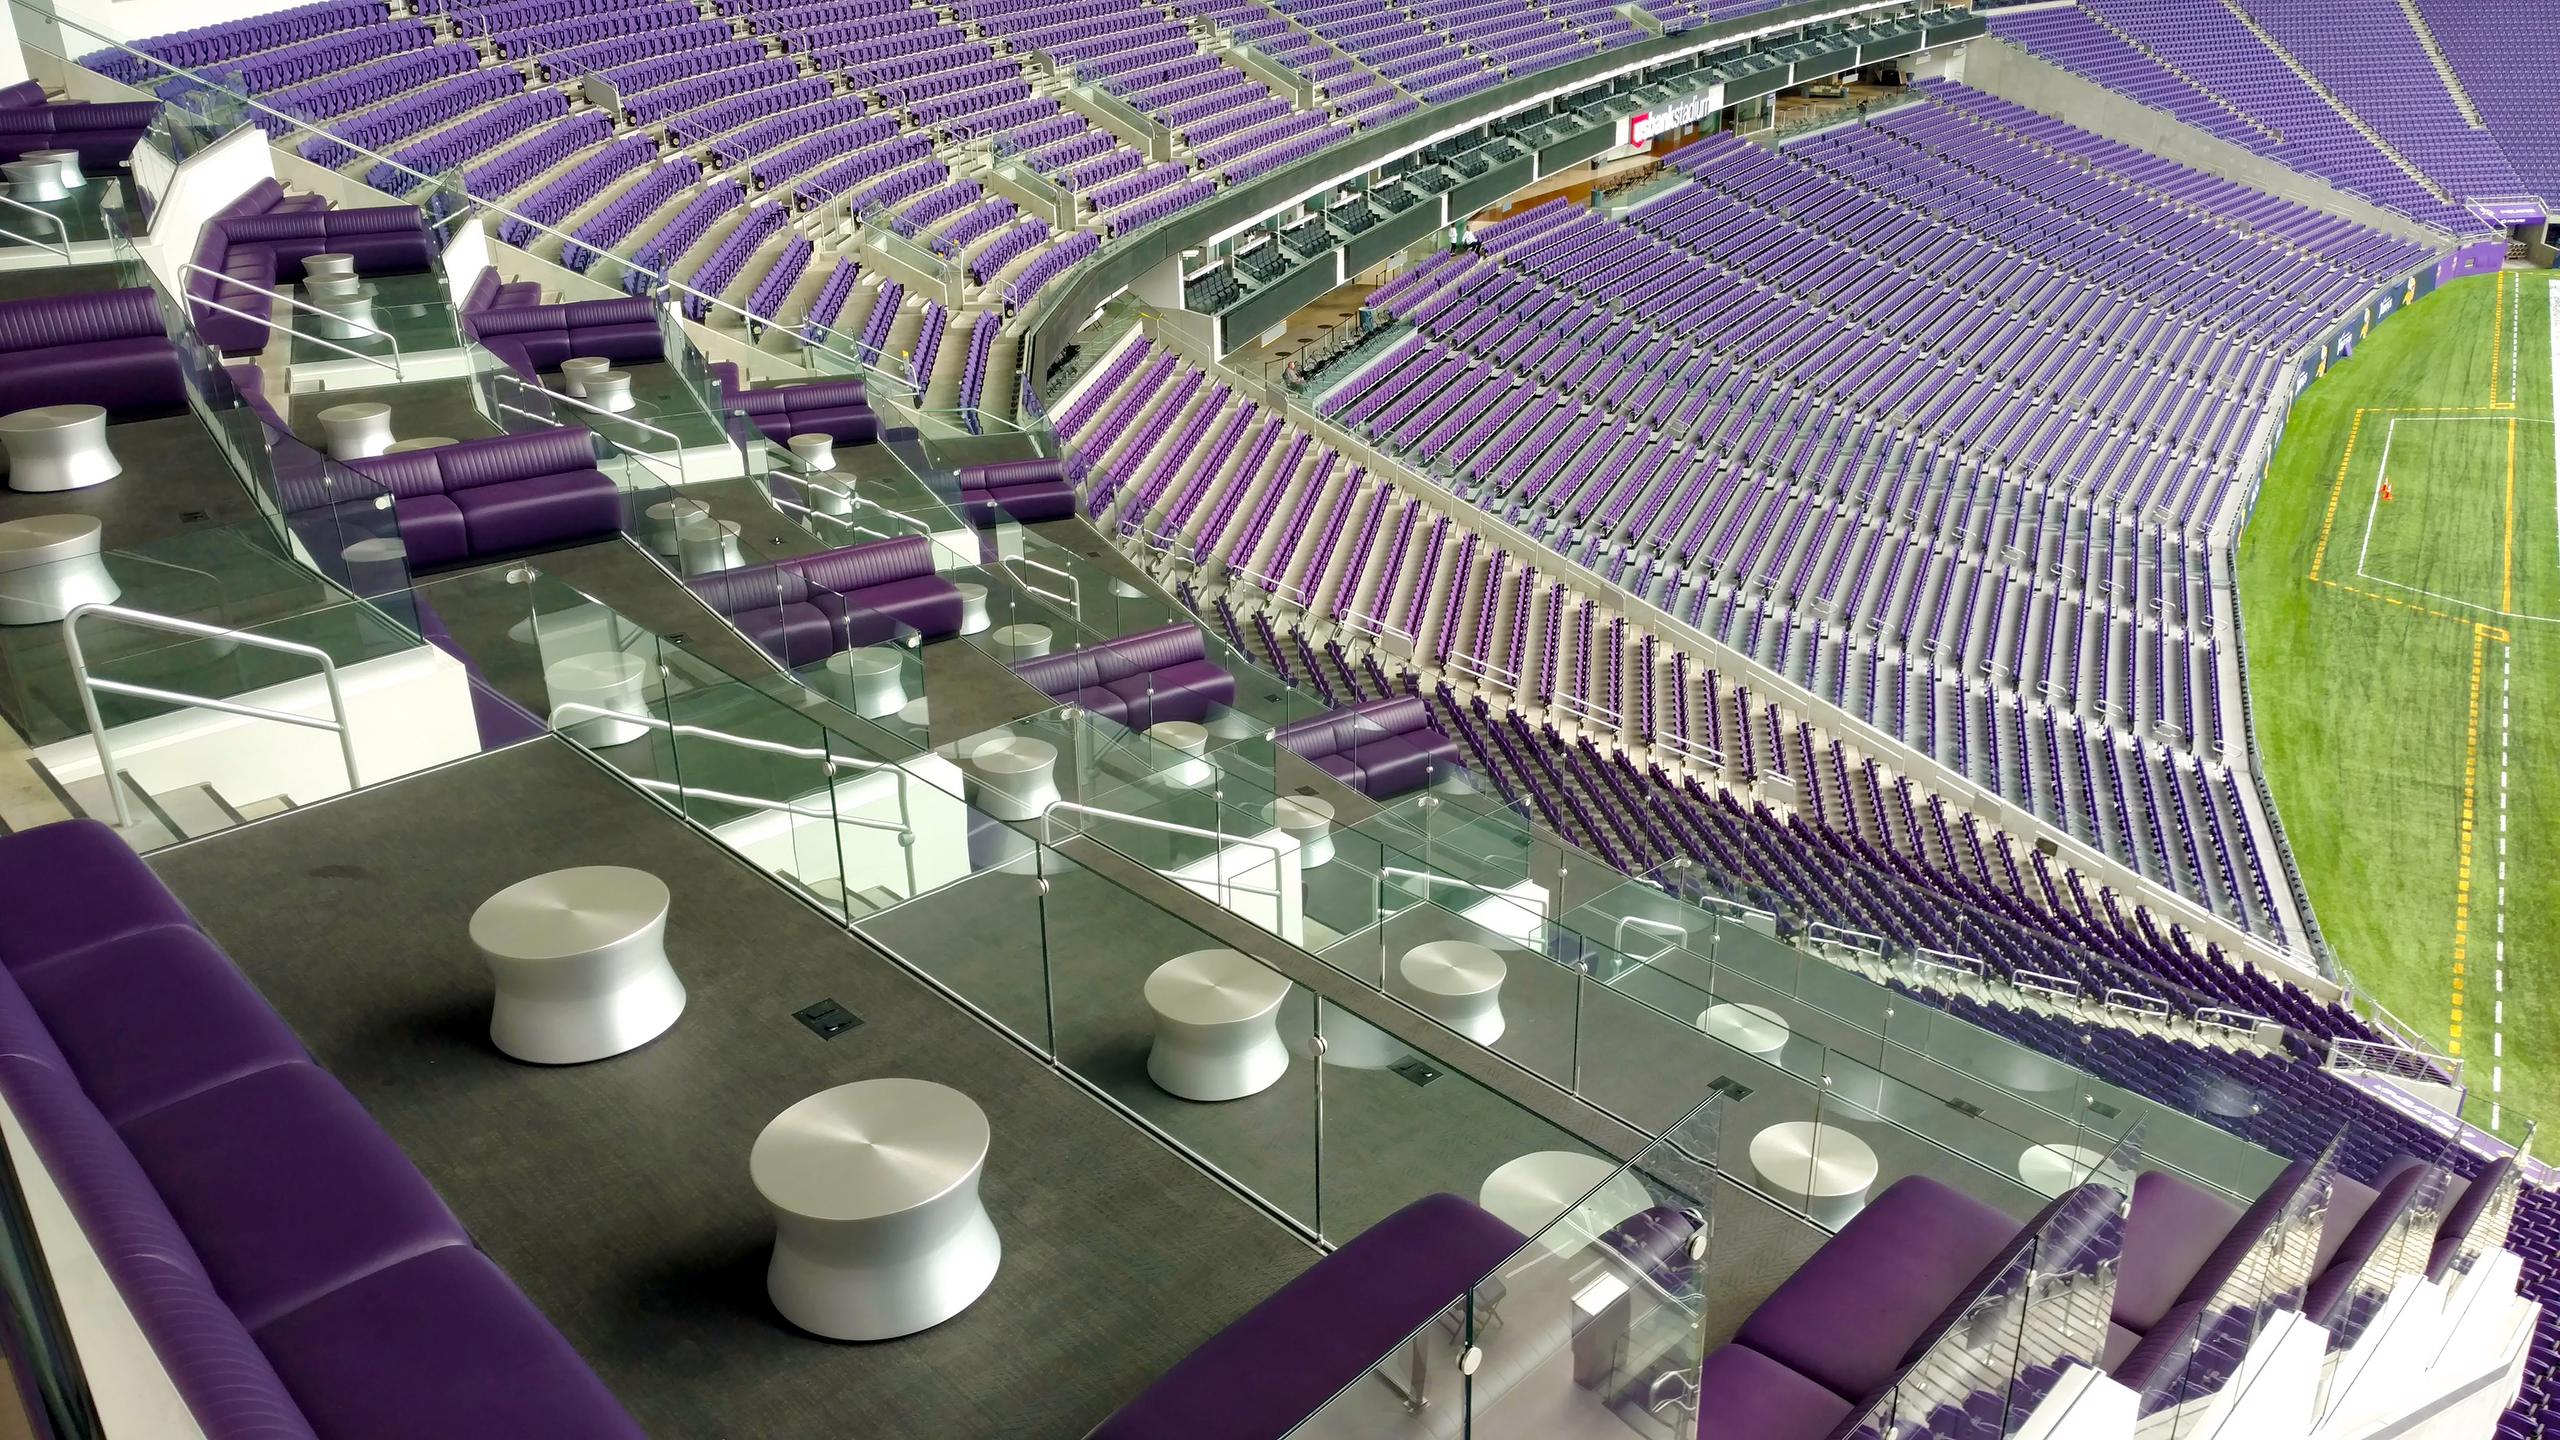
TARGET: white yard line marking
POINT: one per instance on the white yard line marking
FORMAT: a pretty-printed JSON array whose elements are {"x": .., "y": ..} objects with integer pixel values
[
  {"x": 2498, "y": 1013},
  {"x": 2373, "y": 503}
]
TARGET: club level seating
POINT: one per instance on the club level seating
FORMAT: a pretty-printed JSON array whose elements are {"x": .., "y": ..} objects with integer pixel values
[
  {"x": 103, "y": 133},
  {"x": 833, "y": 408},
  {"x": 1138, "y": 680},
  {"x": 291, "y": 1271},
  {"x": 259, "y": 242},
  {"x": 536, "y": 338},
  {"x": 107, "y": 348},
  {"x": 1381, "y": 748},
  {"x": 478, "y": 499},
  {"x": 1025, "y": 491},
  {"x": 802, "y": 610}
]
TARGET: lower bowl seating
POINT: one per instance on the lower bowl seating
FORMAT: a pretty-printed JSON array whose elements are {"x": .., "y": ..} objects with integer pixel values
[{"x": 293, "y": 1273}]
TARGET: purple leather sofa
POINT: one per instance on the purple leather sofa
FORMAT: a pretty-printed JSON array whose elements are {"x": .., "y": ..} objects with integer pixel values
[
  {"x": 104, "y": 132},
  {"x": 1021, "y": 490},
  {"x": 491, "y": 293},
  {"x": 2463, "y": 1213},
  {"x": 475, "y": 499},
  {"x": 1377, "y": 747},
  {"x": 294, "y": 1274},
  {"x": 2181, "y": 1247},
  {"x": 535, "y": 338},
  {"x": 1138, "y": 680},
  {"x": 1275, "y": 1366},
  {"x": 2355, "y": 1225},
  {"x": 836, "y": 408},
  {"x": 102, "y": 347},
  {"x": 261, "y": 240},
  {"x": 1864, "y": 1308},
  {"x": 803, "y": 610}
]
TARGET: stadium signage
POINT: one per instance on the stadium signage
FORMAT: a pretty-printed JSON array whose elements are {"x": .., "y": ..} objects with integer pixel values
[{"x": 1639, "y": 128}]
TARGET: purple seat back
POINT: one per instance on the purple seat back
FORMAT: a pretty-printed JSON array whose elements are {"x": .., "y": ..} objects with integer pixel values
[
  {"x": 1158, "y": 649},
  {"x": 859, "y": 567},
  {"x": 81, "y": 319},
  {"x": 499, "y": 458}
]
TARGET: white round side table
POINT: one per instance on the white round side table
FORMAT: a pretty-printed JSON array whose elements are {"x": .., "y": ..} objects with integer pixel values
[
  {"x": 322, "y": 289},
  {"x": 58, "y": 447},
  {"x": 816, "y": 451},
  {"x": 2049, "y": 1170},
  {"x": 704, "y": 545},
  {"x": 1217, "y": 1026},
  {"x": 34, "y": 181},
  {"x": 1189, "y": 741},
  {"x": 878, "y": 1228},
  {"x": 1014, "y": 777},
  {"x": 1352, "y": 1043},
  {"x": 66, "y": 161},
  {"x": 1459, "y": 984},
  {"x": 576, "y": 371},
  {"x": 48, "y": 564},
  {"x": 876, "y": 676},
  {"x": 1751, "y": 1029},
  {"x": 1019, "y": 642},
  {"x": 609, "y": 390},
  {"x": 1824, "y": 1168},
  {"x": 613, "y": 680},
  {"x": 667, "y": 516},
  {"x": 580, "y": 963},
  {"x": 327, "y": 263},
  {"x": 357, "y": 430},
  {"x": 973, "y": 606},
  {"x": 1307, "y": 819},
  {"x": 349, "y": 317},
  {"x": 377, "y": 564},
  {"x": 1532, "y": 1193}
]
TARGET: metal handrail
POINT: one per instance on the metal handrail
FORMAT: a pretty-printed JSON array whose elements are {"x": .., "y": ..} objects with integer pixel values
[
  {"x": 1074, "y": 598},
  {"x": 367, "y": 326},
  {"x": 1048, "y": 837},
  {"x": 59, "y": 228},
  {"x": 1618, "y": 938},
  {"x": 683, "y": 476},
  {"x": 89, "y": 685}
]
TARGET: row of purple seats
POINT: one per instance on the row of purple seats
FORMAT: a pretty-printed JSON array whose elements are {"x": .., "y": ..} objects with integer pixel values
[
  {"x": 577, "y": 185},
  {"x": 1381, "y": 748},
  {"x": 447, "y": 99},
  {"x": 368, "y": 84},
  {"x": 416, "y": 163},
  {"x": 478, "y": 499},
  {"x": 802, "y": 610},
  {"x": 1051, "y": 263},
  {"x": 1138, "y": 680},
  {"x": 612, "y": 224},
  {"x": 272, "y": 70},
  {"x": 291, "y": 1271},
  {"x": 659, "y": 254},
  {"x": 208, "y": 45},
  {"x": 516, "y": 167}
]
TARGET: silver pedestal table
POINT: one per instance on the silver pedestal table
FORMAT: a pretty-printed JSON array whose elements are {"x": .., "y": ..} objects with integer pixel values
[
  {"x": 48, "y": 564},
  {"x": 58, "y": 447},
  {"x": 580, "y": 964}
]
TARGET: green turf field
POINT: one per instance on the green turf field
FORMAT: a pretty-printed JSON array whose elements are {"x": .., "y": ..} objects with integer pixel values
[{"x": 2404, "y": 664}]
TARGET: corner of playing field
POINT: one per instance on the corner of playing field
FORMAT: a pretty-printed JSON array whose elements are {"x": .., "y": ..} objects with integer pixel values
[{"x": 2400, "y": 584}]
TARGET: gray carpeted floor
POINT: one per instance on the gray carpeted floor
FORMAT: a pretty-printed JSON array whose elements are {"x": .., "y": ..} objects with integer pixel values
[{"x": 616, "y": 1193}]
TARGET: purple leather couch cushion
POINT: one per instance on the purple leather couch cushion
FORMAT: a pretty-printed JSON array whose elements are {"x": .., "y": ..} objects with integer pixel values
[
  {"x": 923, "y": 605},
  {"x": 2155, "y": 1358},
  {"x": 474, "y": 1359},
  {"x": 1157, "y": 649},
  {"x": 1895, "y": 1269},
  {"x": 2173, "y": 1228},
  {"x": 2226, "y": 1258},
  {"x": 432, "y": 529},
  {"x": 287, "y": 1187},
  {"x": 539, "y": 511},
  {"x": 22, "y": 94},
  {"x": 2348, "y": 1200},
  {"x": 857, "y": 567},
  {"x": 2331, "y": 1286},
  {"x": 1262, "y": 1375},
  {"x": 2464, "y": 1213},
  {"x": 1747, "y": 1394},
  {"x": 57, "y": 876},
  {"x": 1024, "y": 504},
  {"x": 498, "y": 494},
  {"x": 104, "y": 347},
  {"x": 154, "y": 1017},
  {"x": 1003, "y": 473}
]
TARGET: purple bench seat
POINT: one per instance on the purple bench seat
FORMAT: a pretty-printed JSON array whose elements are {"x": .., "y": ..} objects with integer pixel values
[
  {"x": 102, "y": 347},
  {"x": 535, "y": 338},
  {"x": 104, "y": 132},
  {"x": 291, "y": 1270},
  {"x": 1021, "y": 490},
  {"x": 838, "y": 409},
  {"x": 802, "y": 610},
  {"x": 499, "y": 495},
  {"x": 491, "y": 293},
  {"x": 260, "y": 241},
  {"x": 1138, "y": 680},
  {"x": 1279, "y": 1363},
  {"x": 1380, "y": 748}
]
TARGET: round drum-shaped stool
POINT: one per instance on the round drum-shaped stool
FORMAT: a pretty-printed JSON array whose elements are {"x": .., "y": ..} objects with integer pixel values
[
  {"x": 1459, "y": 984},
  {"x": 65, "y": 161},
  {"x": 48, "y": 564},
  {"x": 1013, "y": 777},
  {"x": 58, "y": 447},
  {"x": 973, "y": 606},
  {"x": 580, "y": 963},
  {"x": 377, "y": 565},
  {"x": 876, "y": 676},
  {"x": 1189, "y": 741},
  {"x": 357, "y": 430},
  {"x": 2049, "y": 1170},
  {"x": 1019, "y": 642},
  {"x": 1352, "y": 1043},
  {"x": 704, "y": 545},
  {"x": 327, "y": 263},
  {"x": 576, "y": 371},
  {"x": 1532, "y": 1193},
  {"x": 878, "y": 1230},
  {"x": 35, "y": 181},
  {"x": 1823, "y": 1168},
  {"x": 325, "y": 289},
  {"x": 666, "y": 516},
  {"x": 815, "y": 451},
  {"x": 1307, "y": 819},
  {"x": 609, "y": 390},
  {"x": 1751, "y": 1029},
  {"x": 1217, "y": 1026},
  {"x": 349, "y": 317},
  {"x": 612, "y": 680}
]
